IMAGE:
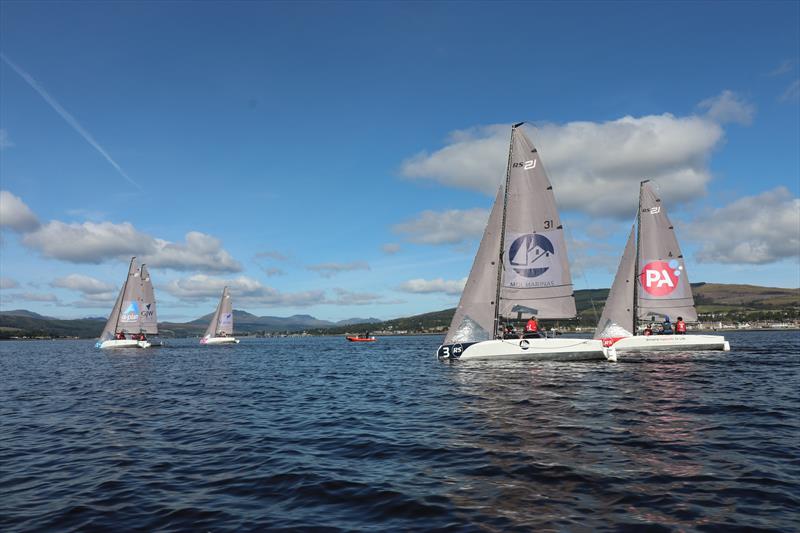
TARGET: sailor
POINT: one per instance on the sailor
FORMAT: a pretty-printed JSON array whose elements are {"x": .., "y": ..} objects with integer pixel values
[
  {"x": 532, "y": 329},
  {"x": 680, "y": 326},
  {"x": 648, "y": 330},
  {"x": 511, "y": 333},
  {"x": 667, "y": 327},
  {"x": 120, "y": 336}
]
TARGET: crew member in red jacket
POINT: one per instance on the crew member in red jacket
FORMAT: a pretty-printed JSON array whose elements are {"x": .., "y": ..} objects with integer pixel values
[
  {"x": 532, "y": 329},
  {"x": 680, "y": 326}
]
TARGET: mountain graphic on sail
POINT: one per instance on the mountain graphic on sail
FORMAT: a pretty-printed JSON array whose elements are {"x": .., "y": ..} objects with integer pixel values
[{"x": 525, "y": 236}]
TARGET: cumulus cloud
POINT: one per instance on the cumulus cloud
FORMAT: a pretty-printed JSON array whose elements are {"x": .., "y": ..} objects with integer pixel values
[
  {"x": 5, "y": 140},
  {"x": 96, "y": 242},
  {"x": 198, "y": 252},
  {"x": 390, "y": 248},
  {"x": 244, "y": 291},
  {"x": 752, "y": 230},
  {"x": 84, "y": 284},
  {"x": 425, "y": 286},
  {"x": 328, "y": 270},
  {"x": 8, "y": 283},
  {"x": 15, "y": 214},
  {"x": 444, "y": 227},
  {"x": 728, "y": 107},
  {"x": 595, "y": 167},
  {"x": 89, "y": 242}
]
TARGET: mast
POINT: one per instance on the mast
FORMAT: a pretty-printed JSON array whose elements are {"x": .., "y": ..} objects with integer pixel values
[
  {"x": 636, "y": 273},
  {"x": 500, "y": 265},
  {"x": 125, "y": 286}
]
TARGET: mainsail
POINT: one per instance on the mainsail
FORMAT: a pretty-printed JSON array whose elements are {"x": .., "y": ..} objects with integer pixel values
[
  {"x": 663, "y": 289},
  {"x": 474, "y": 318},
  {"x": 535, "y": 276},
  {"x": 125, "y": 313},
  {"x": 148, "y": 319},
  {"x": 222, "y": 321},
  {"x": 617, "y": 317}
]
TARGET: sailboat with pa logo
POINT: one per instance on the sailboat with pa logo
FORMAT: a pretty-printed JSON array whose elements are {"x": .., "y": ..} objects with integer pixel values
[{"x": 652, "y": 287}]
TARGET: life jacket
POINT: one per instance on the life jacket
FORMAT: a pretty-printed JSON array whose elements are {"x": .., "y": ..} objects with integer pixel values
[
  {"x": 532, "y": 326},
  {"x": 680, "y": 326}
]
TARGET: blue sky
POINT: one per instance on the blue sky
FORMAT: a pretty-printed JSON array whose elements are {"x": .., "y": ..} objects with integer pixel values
[{"x": 336, "y": 159}]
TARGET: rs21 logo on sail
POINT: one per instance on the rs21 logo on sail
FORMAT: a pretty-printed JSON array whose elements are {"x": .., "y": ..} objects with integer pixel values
[{"x": 660, "y": 278}]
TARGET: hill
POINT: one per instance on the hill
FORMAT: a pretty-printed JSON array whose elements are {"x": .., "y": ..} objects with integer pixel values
[{"x": 736, "y": 302}]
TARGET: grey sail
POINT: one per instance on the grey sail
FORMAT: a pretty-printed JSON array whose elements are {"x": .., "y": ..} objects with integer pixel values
[
  {"x": 535, "y": 277},
  {"x": 222, "y": 320},
  {"x": 474, "y": 317},
  {"x": 225, "y": 319},
  {"x": 617, "y": 317},
  {"x": 113, "y": 323},
  {"x": 148, "y": 322},
  {"x": 113, "y": 318},
  {"x": 130, "y": 309},
  {"x": 663, "y": 289}
]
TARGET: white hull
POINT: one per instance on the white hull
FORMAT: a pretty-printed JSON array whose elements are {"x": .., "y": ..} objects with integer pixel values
[
  {"x": 673, "y": 343},
  {"x": 528, "y": 350},
  {"x": 219, "y": 340},
  {"x": 127, "y": 343}
]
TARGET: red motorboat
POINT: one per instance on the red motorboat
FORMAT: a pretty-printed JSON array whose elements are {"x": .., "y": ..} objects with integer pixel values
[{"x": 361, "y": 338}]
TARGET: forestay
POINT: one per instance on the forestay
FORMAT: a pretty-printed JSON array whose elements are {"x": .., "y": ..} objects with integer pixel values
[
  {"x": 663, "y": 288},
  {"x": 535, "y": 278}
]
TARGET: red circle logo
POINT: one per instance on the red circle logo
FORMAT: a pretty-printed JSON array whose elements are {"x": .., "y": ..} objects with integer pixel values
[{"x": 660, "y": 278}]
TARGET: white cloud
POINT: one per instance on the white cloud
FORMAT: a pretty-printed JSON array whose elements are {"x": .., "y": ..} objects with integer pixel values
[
  {"x": 273, "y": 272},
  {"x": 752, "y": 230},
  {"x": 8, "y": 283},
  {"x": 792, "y": 92},
  {"x": 786, "y": 66},
  {"x": 444, "y": 227},
  {"x": 88, "y": 242},
  {"x": 272, "y": 254},
  {"x": 595, "y": 167},
  {"x": 5, "y": 140},
  {"x": 345, "y": 297},
  {"x": 424, "y": 286},
  {"x": 328, "y": 270},
  {"x": 728, "y": 107},
  {"x": 96, "y": 242},
  {"x": 84, "y": 284},
  {"x": 244, "y": 291},
  {"x": 31, "y": 297},
  {"x": 15, "y": 214},
  {"x": 199, "y": 252},
  {"x": 390, "y": 248}
]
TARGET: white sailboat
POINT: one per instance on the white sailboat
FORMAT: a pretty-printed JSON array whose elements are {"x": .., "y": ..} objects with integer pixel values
[
  {"x": 126, "y": 315},
  {"x": 651, "y": 284},
  {"x": 525, "y": 236},
  {"x": 220, "y": 329}
]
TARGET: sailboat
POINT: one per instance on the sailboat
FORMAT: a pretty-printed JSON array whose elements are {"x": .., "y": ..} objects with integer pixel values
[
  {"x": 520, "y": 269},
  {"x": 651, "y": 284},
  {"x": 220, "y": 329},
  {"x": 126, "y": 315}
]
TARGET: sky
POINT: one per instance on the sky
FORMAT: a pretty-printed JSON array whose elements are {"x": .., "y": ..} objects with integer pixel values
[{"x": 340, "y": 159}]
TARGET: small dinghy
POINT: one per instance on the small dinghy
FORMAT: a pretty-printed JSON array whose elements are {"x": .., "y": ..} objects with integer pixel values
[
  {"x": 364, "y": 337},
  {"x": 220, "y": 329}
]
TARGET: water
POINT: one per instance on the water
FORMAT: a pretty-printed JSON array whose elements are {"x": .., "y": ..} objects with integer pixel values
[{"x": 306, "y": 433}]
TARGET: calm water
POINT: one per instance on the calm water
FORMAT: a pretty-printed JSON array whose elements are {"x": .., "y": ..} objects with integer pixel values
[{"x": 321, "y": 433}]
